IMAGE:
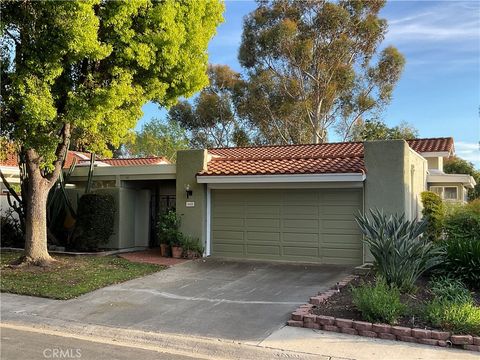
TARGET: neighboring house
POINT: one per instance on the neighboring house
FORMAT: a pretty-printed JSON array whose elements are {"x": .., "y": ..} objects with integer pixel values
[{"x": 289, "y": 203}]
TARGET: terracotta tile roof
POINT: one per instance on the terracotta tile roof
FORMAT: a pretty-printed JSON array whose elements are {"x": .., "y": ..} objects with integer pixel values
[
  {"x": 326, "y": 158},
  {"x": 9, "y": 159},
  {"x": 133, "y": 161},
  {"x": 432, "y": 145}
]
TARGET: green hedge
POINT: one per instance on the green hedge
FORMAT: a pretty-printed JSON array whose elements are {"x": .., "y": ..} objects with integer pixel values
[
  {"x": 433, "y": 211},
  {"x": 95, "y": 220}
]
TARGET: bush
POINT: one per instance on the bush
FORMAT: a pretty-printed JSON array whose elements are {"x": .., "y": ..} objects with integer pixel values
[
  {"x": 462, "y": 260},
  {"x": 433, "y": 211},
  {"x": 460, "y": 318},
  {"x": 378, "y": 302},
  {"x": 10, "y": 231},
  {"x": 191, "y": 243},
  {"x": 400, "y": 255},
  {"x": 451, "y": 290},
  {"x": 168, "y": 226},
  {"x": 463, "y": 222},
  {"x": 95, "y": 220}
]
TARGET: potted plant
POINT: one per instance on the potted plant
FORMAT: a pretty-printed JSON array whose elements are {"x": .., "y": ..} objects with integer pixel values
[
  {"x": 167, "y": 231},
  {"x": 177, "y": 246}
]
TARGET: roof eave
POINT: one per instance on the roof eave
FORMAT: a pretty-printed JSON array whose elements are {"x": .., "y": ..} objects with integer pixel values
[{"x": 280, "y": 178}]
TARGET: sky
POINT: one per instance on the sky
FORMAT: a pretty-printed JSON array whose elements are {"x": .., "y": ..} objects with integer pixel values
[{"x": 439, "y": 92}]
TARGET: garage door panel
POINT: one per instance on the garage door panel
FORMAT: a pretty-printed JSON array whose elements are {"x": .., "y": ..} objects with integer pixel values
[
  {"x": 298, "y": 225},
  {"x": 228, "y": 249},
  {"x": 262, "y": 223},
  {"x": 263, "y": 249},
  {"x": 262, "y": 236},
  {"x": 301, "y": 251},
  {"x": 300, "y": 237},
  {"x": 222, "y": 236}
]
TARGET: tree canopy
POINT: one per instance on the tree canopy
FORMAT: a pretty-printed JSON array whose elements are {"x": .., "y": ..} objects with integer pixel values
[
  {"x": 83, "y": 69},
  {"x": 456, "y": 165},
  {"x": 212, "y": 120},
  {"x": 378, "y": 130},
  {"x": 158, "y": 138},
  {"x": 314, "y": 64}
]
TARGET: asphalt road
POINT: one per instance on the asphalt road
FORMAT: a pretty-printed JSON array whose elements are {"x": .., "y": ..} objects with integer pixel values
[{"x": 26, "y": 345}]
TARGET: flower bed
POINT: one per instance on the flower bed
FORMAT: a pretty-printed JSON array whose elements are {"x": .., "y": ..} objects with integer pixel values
[{"x": 333, "y": 310}]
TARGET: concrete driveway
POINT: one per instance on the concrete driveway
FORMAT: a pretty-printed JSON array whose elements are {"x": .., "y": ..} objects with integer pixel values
[{"x": 239, "y": 300}]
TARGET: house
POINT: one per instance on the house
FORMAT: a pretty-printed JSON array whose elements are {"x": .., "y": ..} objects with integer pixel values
[{"x": 289, "y": 203}]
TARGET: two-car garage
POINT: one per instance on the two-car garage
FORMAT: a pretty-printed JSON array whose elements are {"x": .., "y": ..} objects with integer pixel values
[{"x": 303, "y": 225}]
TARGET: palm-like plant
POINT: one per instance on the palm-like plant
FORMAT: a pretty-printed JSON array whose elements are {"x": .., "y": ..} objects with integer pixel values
[{"x": 401, "y": 254}]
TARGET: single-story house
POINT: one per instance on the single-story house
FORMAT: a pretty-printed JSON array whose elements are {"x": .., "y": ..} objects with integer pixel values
[{"x": 289, "y": 202}]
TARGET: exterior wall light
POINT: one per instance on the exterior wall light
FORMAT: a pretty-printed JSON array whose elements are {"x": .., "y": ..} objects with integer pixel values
[{"x": 189, "y": 191}]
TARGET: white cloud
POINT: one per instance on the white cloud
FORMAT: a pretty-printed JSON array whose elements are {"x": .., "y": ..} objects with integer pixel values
[
  {"x": 449, "y": 21},
  {"x": 468, "y": 151}
]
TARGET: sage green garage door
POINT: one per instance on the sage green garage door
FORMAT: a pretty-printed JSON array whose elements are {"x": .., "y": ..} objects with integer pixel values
[{"x": 311, "y": 225}]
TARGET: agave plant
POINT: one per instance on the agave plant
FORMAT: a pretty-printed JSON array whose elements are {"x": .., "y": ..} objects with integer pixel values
[{"x": 401, "y": 254}]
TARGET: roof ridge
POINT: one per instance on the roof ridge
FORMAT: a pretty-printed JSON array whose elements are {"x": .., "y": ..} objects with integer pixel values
[{"x": 299, "y": 157}]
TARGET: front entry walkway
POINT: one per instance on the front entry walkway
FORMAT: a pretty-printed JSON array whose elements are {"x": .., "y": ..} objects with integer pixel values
[{"x": 240, "y": 300}]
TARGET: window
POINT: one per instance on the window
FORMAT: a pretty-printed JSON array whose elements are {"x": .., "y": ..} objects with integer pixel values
[
  {"x": 446, "y": 192},
  {"x": 450, "y": 193}
]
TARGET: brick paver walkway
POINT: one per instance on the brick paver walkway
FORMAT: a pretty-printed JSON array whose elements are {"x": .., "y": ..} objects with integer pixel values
[{"x": 151, "y": 256}]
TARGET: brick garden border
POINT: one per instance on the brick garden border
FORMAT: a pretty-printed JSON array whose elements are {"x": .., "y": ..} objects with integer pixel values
[{"x": 303, "y": 317}]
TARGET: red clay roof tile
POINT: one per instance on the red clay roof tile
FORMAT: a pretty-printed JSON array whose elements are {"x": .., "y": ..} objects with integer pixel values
[{"x": 303, "y": 159}]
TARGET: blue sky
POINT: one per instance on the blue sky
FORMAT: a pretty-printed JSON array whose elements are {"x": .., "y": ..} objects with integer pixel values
[{"x": 439, "y": 92}]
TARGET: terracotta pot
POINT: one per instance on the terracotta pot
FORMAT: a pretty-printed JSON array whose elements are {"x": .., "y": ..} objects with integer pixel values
[
  {"x": 165, "y": 250},
  {"x": 177, "y": 252}
]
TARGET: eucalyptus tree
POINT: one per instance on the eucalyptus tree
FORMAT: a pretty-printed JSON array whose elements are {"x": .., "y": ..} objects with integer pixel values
[
  {"x": 315, "y": 64},
  {"x": 86, "y": 68}
]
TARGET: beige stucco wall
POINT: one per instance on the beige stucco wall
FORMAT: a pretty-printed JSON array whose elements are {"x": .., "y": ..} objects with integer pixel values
[
  {"x": 189, "y": 163},
  {"x": 435, "y": 162},
  {"x": 416, "y": 180}
]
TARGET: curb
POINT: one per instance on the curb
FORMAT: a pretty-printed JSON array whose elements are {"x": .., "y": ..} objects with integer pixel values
[{"x": 303, "y": 317}]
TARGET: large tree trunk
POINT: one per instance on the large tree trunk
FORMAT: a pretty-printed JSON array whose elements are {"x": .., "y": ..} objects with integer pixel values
[{"x": 36, "y": 252}]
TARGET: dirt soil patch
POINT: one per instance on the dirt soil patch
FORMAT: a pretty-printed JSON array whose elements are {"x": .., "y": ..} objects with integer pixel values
[{"x": 340, "y": 305}]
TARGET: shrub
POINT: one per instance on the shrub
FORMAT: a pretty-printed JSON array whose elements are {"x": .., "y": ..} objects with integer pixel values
[
  {"x": 400, "y": 255},
  {"x": 11, "y": 234},
  {"x": 168, "y": 228},
  {"x": 463, "y": 222},
  {"x": 95, "y": 220},
  {"x": 450, "y": 289},
  {"x": 191, "y": 243},
  {"x": 462, "y": 260},
  {"x": 433, "y": 211},
  {"x": 378, "y": 302},
  {"x": 460, "y": 318}
]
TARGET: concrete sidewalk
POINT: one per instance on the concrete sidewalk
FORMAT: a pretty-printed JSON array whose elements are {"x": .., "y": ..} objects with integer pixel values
[{"x": 330, "y": 344}]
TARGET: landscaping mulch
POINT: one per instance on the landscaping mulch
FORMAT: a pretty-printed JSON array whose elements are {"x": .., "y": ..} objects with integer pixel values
[{"x": 340, "y": 305}]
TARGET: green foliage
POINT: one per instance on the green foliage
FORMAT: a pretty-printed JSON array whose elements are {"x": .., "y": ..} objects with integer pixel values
[
  {"x": 212, "y": 120},
  {"x": 314, "y": 64},
  {"x": 190, "y": 243},
  {"x": 463, "y": 222},
  {"x": 433, "y": 211},
  {"x": 158, "y": 138},
  {"x": 95, "y": 220},
  {"x": 456, "y": 165},
  {"x": 462, "y": 260},
  {"x": 450, "y": 289},
  {"x": 378, "y": 302},
  {"x": 168, "y": 226},
  {"x": 400, "y": 254},
  {"x": 378, "y": 130},
  {"x": 460, "y": 318},
  {"x": 11, "y": 234}
]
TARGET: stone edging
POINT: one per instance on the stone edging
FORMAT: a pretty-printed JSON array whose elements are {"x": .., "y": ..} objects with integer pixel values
[{"x": 303, "y": 317}]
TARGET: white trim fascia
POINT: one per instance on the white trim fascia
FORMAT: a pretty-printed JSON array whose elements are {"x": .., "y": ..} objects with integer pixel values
[
  {"x": 208, "y": 250},
  {"x": 464, "y": 179},
  {"x": 436, "y": 154},
  {"x": 294, "y": 178}
]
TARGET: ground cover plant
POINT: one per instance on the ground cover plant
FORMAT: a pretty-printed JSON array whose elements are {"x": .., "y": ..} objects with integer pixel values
[{"x": 69, "y": 277}]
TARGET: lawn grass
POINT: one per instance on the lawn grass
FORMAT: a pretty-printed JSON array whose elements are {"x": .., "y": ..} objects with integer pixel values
[{"x": 69, "y": 276}]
